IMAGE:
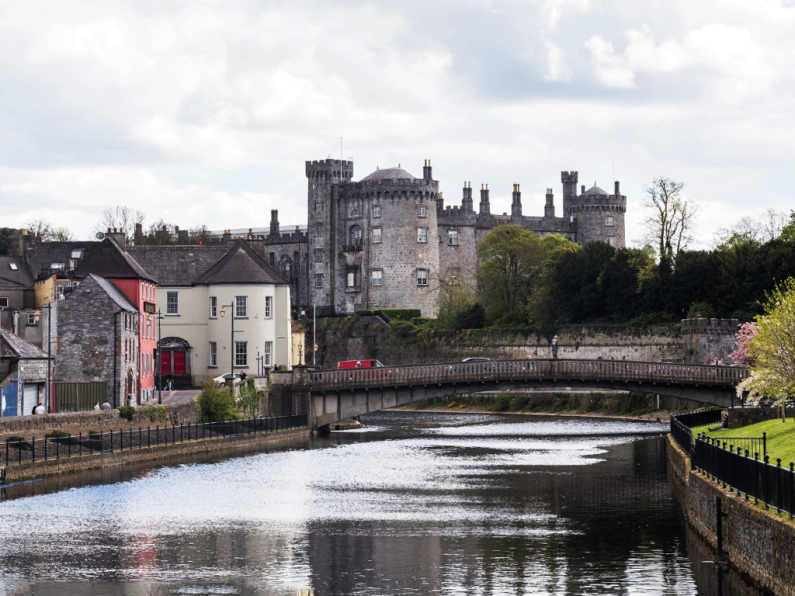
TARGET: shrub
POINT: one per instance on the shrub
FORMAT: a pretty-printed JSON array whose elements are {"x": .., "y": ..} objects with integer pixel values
[
  {"x": 57, "y": 434},
  {"x": 401, "y": 314},
  {"x": 214, "y": 404},
  {"x": 501, "y": 403},
  {"x": 157, "y": 413},
  {"x": 19, "y": 442},
  {"x": 126, "y": 412},
  {"x": 250, "y": 399}
]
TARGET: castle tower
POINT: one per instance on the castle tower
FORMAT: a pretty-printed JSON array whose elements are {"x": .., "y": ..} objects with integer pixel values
[
  {"x": 569, "y": 180},
  {"x": 549, "y": 208},
  {"x": 597, "y": 214},
  {"x": 516, "y": 205},
  {"x": 323, "y": 180},
  {"x": 485, "y": 206}
]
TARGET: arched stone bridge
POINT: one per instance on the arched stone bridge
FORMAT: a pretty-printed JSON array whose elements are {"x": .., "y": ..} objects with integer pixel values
[{"x": 334, "y": 395}]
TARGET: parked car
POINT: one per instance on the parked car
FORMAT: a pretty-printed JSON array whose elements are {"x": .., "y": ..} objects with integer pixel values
[
  {"x": 359, "y": 364},
  {"x": 221, "y": 379},
  {"x": 476, "y": 359}
]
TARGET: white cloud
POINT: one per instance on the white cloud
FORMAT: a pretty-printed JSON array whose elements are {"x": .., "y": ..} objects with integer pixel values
[
  {"x": 610, "y": 69},
  {"x": 557, "y": 70}
]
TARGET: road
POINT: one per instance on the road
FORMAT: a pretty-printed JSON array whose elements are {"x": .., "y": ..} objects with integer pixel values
[{"x": 179, "y": 397}]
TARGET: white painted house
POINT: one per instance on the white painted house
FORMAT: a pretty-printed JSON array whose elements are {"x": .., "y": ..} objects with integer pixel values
[{"x": 205, "y": 291}]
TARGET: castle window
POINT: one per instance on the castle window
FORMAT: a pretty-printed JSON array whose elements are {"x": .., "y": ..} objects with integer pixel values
[
  {"x": 354, "y": 213},
  {"x": 377, "y": 276},
  {"x": 376, "y": 235},
  {"x": 377, "y": 211},
  {"x": 421, "y": 211},
  {"x": 452, "y": 237},
  {"x": 356, "y": 236},
  {"x": 353, "y": 278},
  {"x": 318, "y": 255},
  {"x": 422, "y": 277},
  {"x": 319, "y": 229},
  {"x": 319, "y": 280},
  {"x": 422, "y": 235},
  {"x": 609, "y": 221},
  {"x": 611, "y": 240}
]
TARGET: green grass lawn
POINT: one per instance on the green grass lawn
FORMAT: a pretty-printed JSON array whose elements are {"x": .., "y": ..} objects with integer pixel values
[{"x": 780, "y": 437}]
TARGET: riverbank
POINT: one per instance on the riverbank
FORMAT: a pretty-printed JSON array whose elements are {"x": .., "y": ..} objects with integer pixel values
[
  {"x": 758, "y": 542},
  {"x": 98, "y": 460}
]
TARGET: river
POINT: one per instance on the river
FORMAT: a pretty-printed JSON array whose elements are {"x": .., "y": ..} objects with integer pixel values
[{"x": 413, "y": 504}]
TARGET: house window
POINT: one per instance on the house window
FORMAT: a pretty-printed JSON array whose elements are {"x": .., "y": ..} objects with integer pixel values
[
  {"x": 241, "y": 353},
  {"x": 609, "y": 221},
  {"x": 213, "y": 307},
  {"x": 377, "y": 211},
  {"x": 318, "y": 255},
  {"x": 422, "y": 235},
  {"x": 356, "y": 236},
  {"x": 420, "y": 210},
  {"x": 422, "y": 277},
  {"x": 354, "y": 213},
  {"x": 266, "y": 360},
  {"x": 268, "y": 307},
  {"x": 377, "y": 277},
  {"x": 77, "y": 253},
  {"x": 32, "y": 319},
  {"x": 319, "y": 280},
  {"x": 452, "y": 237},
  {"x": 3, "y": 301},
  {"x": 611, "y": 240},
  {"x": 376, "y": 235},
  {"x": 318, "y": 229},
  {"x": 56, "y": 266},
  {"x": 241, "y": 306},
  {"x": 213, "y": 354},
  {"x": 172, "y": 303}
]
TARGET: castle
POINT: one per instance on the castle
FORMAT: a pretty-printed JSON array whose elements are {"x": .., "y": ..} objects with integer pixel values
[{"x": 389, "y": 241}]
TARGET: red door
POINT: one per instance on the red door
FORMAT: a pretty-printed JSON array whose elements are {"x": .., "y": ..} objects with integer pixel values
[
  {"x": 165, "y": 363},
  {"x": 179, "y": 363}
]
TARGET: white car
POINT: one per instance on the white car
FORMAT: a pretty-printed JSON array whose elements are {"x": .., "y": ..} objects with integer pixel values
[{"x": 221, "y": 379}]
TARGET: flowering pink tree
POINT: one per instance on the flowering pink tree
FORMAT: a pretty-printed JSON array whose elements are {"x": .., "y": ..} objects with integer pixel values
[{"x": 743, "y": 345}]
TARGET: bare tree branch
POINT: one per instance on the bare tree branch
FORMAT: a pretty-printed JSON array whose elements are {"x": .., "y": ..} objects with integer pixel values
[{"x": 670, "y": 222}]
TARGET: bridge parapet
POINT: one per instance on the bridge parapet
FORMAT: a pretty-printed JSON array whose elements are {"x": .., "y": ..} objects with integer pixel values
[{"x": 507, "y": 370}]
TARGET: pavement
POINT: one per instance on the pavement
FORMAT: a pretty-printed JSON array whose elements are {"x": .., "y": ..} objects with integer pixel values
[{"x": 178, "y": 397}]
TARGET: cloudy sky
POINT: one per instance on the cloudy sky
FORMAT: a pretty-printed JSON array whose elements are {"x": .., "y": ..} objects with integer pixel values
[{"x": 204, "y": 111}]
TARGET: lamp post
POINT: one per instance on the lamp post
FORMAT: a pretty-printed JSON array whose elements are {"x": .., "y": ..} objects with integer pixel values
[
  {"x": 314, "y": 334},
  {"x": 48, "y": 392},
  {"x": 159, "y": 360},
  {"x": 232, "y": 345}
]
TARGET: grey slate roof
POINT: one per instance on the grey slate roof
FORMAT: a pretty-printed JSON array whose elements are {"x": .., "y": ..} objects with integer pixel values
[
  {"x": 595, "y": 191},
  {"x": 389, "y": 174},
  {"x": 42, "y": 255},
  {"x": 177, "y": 265},
  {"x": 20, "y": 347},
  {"x": 113, "y": 292},
  {"x": 110, "y": 260},
  {"x": 11, "y": 279},
  {"x": 241, "y": 265}
]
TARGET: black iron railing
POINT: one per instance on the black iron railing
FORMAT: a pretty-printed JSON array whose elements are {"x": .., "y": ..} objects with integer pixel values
[
  {"x": 742, "y": 471},
  {"x": 96, "y": 443}
]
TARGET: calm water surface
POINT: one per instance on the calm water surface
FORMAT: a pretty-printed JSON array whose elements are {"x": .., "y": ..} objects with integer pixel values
[{"x": 417, "y": 504}]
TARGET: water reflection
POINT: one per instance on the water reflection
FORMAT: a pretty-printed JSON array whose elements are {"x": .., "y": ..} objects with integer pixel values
[{"x": 428, "y": 505}]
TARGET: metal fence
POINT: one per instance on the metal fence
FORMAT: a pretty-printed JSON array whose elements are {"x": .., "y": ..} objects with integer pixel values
[
  {"x": 78, "y": 397},
  {"x": 96, "y": 443},
  {"x": 744, "y": 472},
  {"x": 681, "y": 431}
]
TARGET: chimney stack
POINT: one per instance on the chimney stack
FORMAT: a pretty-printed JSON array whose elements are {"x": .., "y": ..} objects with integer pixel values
[
  {"x": 618, "y": 192},
  {"x": 549, "y": 208},
  {"x": 485, "y": 206},
  {"x": 426, "y": 171},
  {"x": 516, "y": 204}
]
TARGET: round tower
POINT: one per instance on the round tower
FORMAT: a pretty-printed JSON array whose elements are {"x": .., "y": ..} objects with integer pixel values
[{"x": 597, "y": 214}]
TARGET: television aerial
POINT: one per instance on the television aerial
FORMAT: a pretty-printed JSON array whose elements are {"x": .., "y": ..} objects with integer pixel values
[{"x": 100, "y": 235}]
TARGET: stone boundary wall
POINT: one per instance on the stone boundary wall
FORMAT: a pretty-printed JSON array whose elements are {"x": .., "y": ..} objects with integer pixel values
[
  {"x": 760, "y": 543},
  {"x": 739, "y": 417},
  {"x": 39, "y": 469},
  {"x": 75, "y": 422}
]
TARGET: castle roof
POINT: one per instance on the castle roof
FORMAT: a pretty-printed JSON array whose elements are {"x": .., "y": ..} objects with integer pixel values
[
  {"x": 389, "y": 174},
  {"x": 595, "y": 191}
]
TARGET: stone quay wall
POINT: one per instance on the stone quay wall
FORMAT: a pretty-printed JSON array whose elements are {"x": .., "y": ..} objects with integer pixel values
[
  {"x": 739, "y": 417},
  {"x": 76, "y": 422},
  {"x": 39, "y": 469},
  {"x": 760, "y": 543}
]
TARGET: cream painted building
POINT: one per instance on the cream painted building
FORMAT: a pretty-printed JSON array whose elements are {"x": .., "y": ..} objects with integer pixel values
[{"x": 205, "y": 291}]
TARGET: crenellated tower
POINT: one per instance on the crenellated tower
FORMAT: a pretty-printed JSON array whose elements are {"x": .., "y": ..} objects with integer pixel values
[{"x": 597, "y": 214}]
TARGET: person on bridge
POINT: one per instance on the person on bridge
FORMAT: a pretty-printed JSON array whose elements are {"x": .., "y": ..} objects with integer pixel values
[{"x": 555, "y": 348}]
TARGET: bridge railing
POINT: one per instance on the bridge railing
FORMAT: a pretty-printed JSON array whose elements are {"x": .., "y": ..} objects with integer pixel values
[{"x": 500, "y": 370}]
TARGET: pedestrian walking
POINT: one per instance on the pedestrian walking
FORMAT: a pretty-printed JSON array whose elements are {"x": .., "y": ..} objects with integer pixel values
[
  {"x": 555, "y": 348},
  {"x": 96, "y": 407},
  {"x": 40, "y": 410},
  {"x": 106, "y": 406}
]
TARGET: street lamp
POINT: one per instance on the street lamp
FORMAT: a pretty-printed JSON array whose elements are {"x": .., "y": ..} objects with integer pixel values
[
  {"x": 232, "y": 345},
  {"x": 48, "y": 392},
  {"x": 159, "y": 360}
]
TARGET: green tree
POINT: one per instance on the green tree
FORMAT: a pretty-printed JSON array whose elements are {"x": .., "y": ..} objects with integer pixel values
[
  {"x": 773, "y": 346},
  {"x": 455, "y": 300}
]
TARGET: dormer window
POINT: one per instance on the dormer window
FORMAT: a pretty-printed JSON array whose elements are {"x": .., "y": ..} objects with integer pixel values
[
  {"x": 13, "y": 266},
  {"x": 77, "y": 254}
]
